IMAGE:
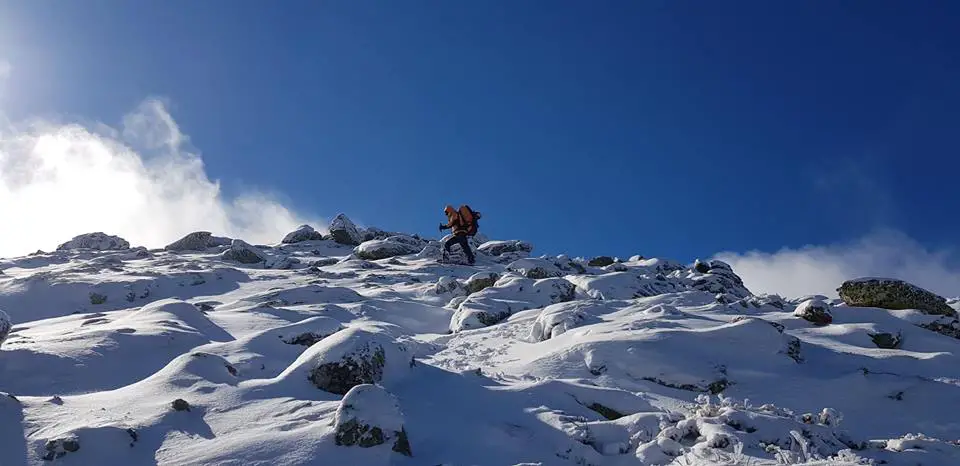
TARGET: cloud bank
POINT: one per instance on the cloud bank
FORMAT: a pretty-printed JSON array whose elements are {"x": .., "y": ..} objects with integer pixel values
[
  {"x": 821, "y": 269},
  {"x": 140, "y": 181}
]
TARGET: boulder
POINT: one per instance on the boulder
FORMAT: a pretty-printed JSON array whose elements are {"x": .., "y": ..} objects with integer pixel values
[
  {"x": 814, "y": 311},
  {"x": 888, "y": 293},
  {"x": 99, "y": 241},
  {"x": 535, "y": 268},
  {"x": 498, "y": 248},
  {"x": 481, "y": 280},
  {"x": 243, "y": 253},
  {"x": 600, "y": 261},
  {"x": 449, "y": 285},
  {"x": 301, "y": 234},
  {"x": 887, "y": 340},
  {"x": 5, "y": 326},
  {"x": 197, "y": 241},
  {"x": 369, "y": 416},
  {"x": 344, "y": 231},
  {"x": 390, "y": 247},
  {"x": 355, "y": 356}
]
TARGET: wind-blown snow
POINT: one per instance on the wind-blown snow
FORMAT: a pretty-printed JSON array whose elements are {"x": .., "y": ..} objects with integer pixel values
[
  {"x": 304, "y": 351},
  {"x": 141, "y": 181}
]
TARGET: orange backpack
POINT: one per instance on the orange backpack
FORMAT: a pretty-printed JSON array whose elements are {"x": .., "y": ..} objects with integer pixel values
[{"x": 469, "y": 218}]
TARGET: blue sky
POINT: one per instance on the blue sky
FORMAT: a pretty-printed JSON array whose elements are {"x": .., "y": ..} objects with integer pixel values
[{"x": 670, "y": 129}]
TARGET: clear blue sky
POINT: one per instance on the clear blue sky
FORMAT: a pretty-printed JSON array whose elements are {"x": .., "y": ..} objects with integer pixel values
[{"x": 670, "y": 129}]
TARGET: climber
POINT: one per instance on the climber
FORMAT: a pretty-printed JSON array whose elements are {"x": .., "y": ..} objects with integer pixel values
[{"x": 463, "y": 223}]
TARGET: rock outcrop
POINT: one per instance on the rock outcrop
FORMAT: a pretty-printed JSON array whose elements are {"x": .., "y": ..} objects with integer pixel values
[
  {"x": 344, "y": 231},
  {"x": 99, "y": 241},
  {"x": 369, "y": 416},
  {"x": 243, "y": 253},
  {"x": 301, "y": 234},
  {"x": 197, "y": 241},
  {"x": 888, "y": 293}
]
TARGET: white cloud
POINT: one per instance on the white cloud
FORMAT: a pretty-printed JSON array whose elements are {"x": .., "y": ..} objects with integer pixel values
[
  {"x": 821, "y": 269},
  {"x": 140, "y": 181}
]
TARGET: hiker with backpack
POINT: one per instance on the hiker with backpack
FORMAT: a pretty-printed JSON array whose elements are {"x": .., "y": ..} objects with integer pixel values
[{"x": 464, "y": 224}]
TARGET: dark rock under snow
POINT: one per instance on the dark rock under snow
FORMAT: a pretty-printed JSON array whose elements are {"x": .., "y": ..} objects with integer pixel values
[{"x": 369, "y": 416}]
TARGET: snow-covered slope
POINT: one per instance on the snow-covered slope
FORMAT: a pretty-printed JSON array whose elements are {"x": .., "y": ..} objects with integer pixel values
[{"x": 360, "y": 348}]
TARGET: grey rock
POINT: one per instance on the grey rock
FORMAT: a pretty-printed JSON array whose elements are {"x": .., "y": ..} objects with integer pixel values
[
  {"x": 99, "y": 241},
  {"x": 301, "y": 234},
  {"x": 363, "y": 366},
  {"x": 197, "y": 241},
  {"x": 344, "y": 231},
  {"x": 369, "y": 416},
  {"x": 390, "y": 247},
  {"x": 888, "y": 293},
  {"x": 481, "y": 280},
  {"x": 243, "y": 253}
]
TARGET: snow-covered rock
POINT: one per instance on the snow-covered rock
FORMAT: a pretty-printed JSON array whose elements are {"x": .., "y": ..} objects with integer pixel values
[
  {"x": 535, "y": 268},
  {"x": 99, "y": 241},
  {"x": 480, "y": 281},
  {"x": 197, "y": 241},
  {"x": 354, "y": 356},
  {"x": 451, "y": 286},
  {"x": 557, "y": 319},
  {"x": 509, "y": 295},
  {"x": 499, "y": 248},
  {"x": 344, "y": 231},
  {"x": 389, "y": 247},
  {"x": 369, "y": 416},
  {"x": 814, "y": 311},
  {"x": 888, "y": 293},
  {"x": 5, "y": 326},
  {"x": 301, "y": 234},
  {"x": 243, "y": 253}
]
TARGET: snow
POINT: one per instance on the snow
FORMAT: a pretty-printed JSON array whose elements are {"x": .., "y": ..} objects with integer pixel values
[{"x": 315, "y": 355}]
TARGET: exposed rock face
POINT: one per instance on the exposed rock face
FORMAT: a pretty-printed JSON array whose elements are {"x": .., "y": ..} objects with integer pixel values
[
  {"x": 888, "y": 293},
  {"x": 301, "y": 234},
  {"x": 814, "y": 311},
  {"x": 243, "y": 253},
  {"x": 197, "y": 241},
  {"x": 369, "y": 416},
  {"x": 99, "y": 241},
  {"x": 344, "y": 231}
]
